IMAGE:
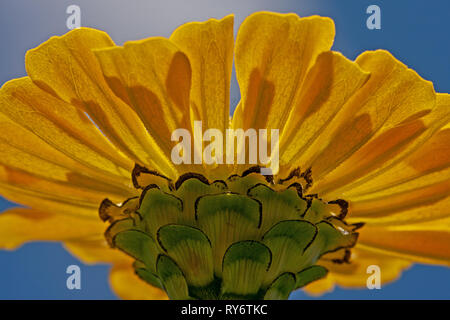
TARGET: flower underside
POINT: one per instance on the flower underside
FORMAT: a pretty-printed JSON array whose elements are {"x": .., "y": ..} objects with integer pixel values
[{"x": 248, "y": 237}]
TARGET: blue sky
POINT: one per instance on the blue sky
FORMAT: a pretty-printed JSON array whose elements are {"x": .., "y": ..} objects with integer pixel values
[{"x": 416, "y": 32}]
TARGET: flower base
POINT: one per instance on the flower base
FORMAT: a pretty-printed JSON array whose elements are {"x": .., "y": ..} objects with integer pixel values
[{"x": 244, "y": 238}]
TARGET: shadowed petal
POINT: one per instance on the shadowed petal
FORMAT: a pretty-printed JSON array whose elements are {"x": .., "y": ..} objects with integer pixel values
[
  {"x": 67, "y": 68},
  {"x": 209, "y": 47},
  {"x": 63, "y": 127},
  {"x": 380, "y": 123},
  {"x": 329, "y": 85},
  {"x": 273, "y": 55},
  {"x": 154, "y": 78}
]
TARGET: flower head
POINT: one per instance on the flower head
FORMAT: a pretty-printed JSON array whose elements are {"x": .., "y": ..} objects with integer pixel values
[{"x": 362, "y": 146}]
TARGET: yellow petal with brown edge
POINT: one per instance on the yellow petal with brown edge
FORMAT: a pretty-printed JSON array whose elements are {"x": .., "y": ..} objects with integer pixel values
[
  {"x": 127, "y": 285},
  {"x": 20, "y": 225},
  {"x": 66, "y": 67},
  {"x": 427, "y": 242},
  {"x": 273, "y": 55},
  {"x": 154, "y": 78},
  {"x": 62, "y": 126},
  {"x": 328, "y": 86},
  {"x": 393, "y": 96},
  {"x": 354, "y": 274}
]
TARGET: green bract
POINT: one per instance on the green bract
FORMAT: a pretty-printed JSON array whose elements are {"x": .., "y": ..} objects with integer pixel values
[{"x": 243, "y": 238}]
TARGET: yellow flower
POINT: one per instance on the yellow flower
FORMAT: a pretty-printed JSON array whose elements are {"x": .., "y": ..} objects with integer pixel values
[{"x": 370, "y": 132}]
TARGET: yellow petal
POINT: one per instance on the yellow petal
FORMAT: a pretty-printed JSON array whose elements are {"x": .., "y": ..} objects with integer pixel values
[
  {"x": 154, "y": 78},
  {"x": 320, "y": 287},
  {"x": 96, "y": 250},
  {"x": 419, "y": 214},
  {"x": 416, "y": 197},
  {"x": 426, "y": 164},
  {"x": 330, "y": 83},
  {"x": 427, "y": 242},
  {"x": 35, "y": 174},
  {"x": 416, "y": 189},
  {"x": 273, "y": 55},
  {"x": 66, "y": 68},
  {"x": 49, "y": 201},
  {"x": 62, "y": 126},
  {"x": 355, "y": 275},
  {"x": 76, "y": 196},
  {"x": 83, "y": 237},
  {"x": 209, "y": 47},
  {"x": 20, "y": 225},
  {"x": 126, "y": 284},
  {"x": 23, "y": 150},
  {"x": 393, "y": 102}
]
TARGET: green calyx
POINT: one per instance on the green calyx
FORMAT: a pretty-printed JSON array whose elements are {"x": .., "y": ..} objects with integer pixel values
[{"x": 243, "y": 238}]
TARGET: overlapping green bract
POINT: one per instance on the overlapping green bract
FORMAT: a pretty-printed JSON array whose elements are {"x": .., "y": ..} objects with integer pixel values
[{"x": 244, "y": 238}]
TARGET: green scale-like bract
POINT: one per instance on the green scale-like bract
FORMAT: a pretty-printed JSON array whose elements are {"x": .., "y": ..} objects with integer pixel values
[{"x": 234, "y": 239}]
